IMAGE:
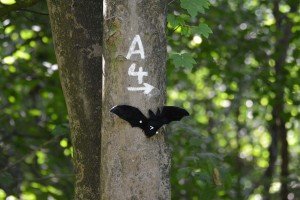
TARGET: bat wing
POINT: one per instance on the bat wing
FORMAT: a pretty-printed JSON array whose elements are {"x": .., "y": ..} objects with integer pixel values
[
  {"x": 167, "y": 115},
  {"x": 150, "y": 126},
  {"x": 130, "y": 114},
  {"x": 172, "y": 113}
]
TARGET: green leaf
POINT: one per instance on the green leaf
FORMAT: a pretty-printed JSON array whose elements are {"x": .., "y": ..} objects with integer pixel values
[
  {"x": 195, "y": 6},
  {"x": 209, "y": 156},
  {"x": 7, "y": 2},
  {"x": 178, "y": 20},
  {"x": 61, "y": 129},
  {"x": 184, "y": 172},
  {"x": 175, "y": 20},
  {"x": 186, "y": 31},
  {"x": 182, "y": 60},
  {"x": 202, "y": 29},
  {"x": 6, "y": 178},
  {"x": 35, "y": 112},
  {"x": 196, "y": 142}
]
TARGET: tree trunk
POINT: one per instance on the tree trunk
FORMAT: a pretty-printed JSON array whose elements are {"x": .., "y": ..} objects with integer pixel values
[
  {"x": 77, "y": 33},
  {"x": 132, "y": 165},
  {"x": 278, "y": 129}
]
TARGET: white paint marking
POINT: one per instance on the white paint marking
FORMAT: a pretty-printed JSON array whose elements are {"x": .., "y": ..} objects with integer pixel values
[
  {"x": 151, "y": 127},
  {"x": 147, "y": 88},
  {"x": 140, "y": 50},
  {"x": 141, "y": 121},
  {"x": 140, "y": 74}
]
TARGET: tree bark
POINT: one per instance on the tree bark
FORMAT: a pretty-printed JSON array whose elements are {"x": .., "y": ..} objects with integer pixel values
[
  {"x": 132, "y": 165},
  {"x": 278, "y": 129},
  {"x": 284, "y": 29},
  {"x": 77, "y": 33}
]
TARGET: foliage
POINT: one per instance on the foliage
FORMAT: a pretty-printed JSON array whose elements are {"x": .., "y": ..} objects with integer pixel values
[
  {"x": 231, "y": 93},
  {"x": 194, "y": 6},
  {"x": 182, "y": 60},
  {"x": 221, "y": 68},
  {"x": 34, "y": 163},
  {"x": 179, "y": 22}
]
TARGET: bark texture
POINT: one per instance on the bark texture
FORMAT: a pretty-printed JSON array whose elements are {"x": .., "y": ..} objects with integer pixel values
[
  {"x": 279, "y": 143},
  {"x": 77, "y": 32},
  {"x": 133, "y": 166}
]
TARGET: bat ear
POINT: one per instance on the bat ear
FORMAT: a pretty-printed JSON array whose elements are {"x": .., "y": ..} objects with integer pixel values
[
  {"x": 157, "y": 112},
  {"x": 151, "y": 114}
]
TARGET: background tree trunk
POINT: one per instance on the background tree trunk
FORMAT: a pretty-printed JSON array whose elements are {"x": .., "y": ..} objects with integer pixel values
[
  {"x": 77, "y": 33},
  {"x": 132, "y": 165},
  {"x": 278, "y": 125}
]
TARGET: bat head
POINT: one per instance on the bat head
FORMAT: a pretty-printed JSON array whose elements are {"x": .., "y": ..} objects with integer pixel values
[
  {"x": 151, "y": 128},
  {"x": 153, "y": 123}
]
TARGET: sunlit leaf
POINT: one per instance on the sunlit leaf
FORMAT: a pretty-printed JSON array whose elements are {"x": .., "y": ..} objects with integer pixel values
[
  {"x": 202, "y": 29},
  {"x": 195, "y": 6},
  {"x": 8, "y": 2},
  {"x": 35, "y": 112},
  {"x": 182, "y": 60},
  {"x": 175, "y": 20}
]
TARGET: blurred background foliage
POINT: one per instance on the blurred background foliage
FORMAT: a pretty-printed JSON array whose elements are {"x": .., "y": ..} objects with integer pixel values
[
  {"x": 35, "y": 150},
  {"x": 222, "y": 67}
]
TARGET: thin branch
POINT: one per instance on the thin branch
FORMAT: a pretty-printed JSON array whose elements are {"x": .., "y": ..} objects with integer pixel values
[
  {"x": 52, "y": 176},
  {"x": 171, "y": 2},
  {"x": 176, "y": 28},
  {"x": 5, "y": 10},
  {"x": 33, "y": 11},
  {"x": 27, "y": 155}
]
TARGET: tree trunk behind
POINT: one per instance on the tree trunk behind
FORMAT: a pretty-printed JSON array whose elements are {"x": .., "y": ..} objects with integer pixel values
[
  {"x": 132, "y": 165},
  {"x": 77, "y": 33},
  {"x": 278, "y": 130}
]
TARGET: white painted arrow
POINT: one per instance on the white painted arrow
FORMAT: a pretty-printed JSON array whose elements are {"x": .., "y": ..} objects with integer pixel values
[{"x": 147, "y": 88}]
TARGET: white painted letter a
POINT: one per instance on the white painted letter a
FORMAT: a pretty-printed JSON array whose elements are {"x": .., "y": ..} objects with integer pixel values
[{"x": 140, "y": 50}]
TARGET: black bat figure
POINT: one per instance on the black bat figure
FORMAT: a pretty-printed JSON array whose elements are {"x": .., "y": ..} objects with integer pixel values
[{"x": 149, "y": 125}]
